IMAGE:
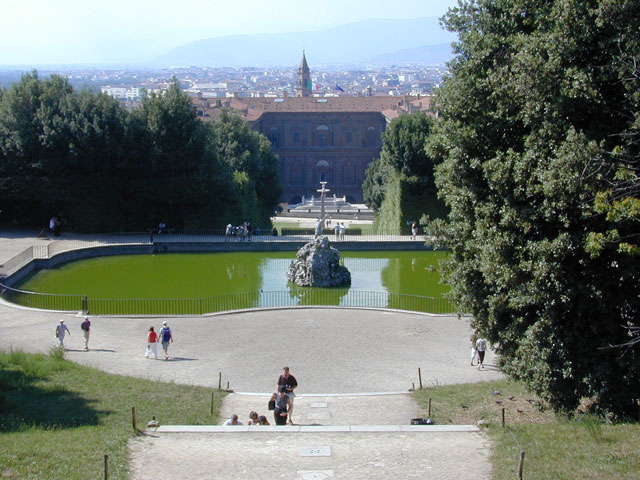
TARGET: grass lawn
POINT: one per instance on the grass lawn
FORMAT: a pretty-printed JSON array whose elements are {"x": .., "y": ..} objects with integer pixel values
[
  {"x": 555, "y": 446},
  {"x": 59, "y": 419}
]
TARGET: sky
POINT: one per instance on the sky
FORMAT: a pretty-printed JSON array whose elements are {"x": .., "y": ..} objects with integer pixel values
[{"x": 55, "y": 32}]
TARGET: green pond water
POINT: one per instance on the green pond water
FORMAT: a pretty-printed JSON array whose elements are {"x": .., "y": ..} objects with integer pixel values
[{"x": 209, "y": 277}]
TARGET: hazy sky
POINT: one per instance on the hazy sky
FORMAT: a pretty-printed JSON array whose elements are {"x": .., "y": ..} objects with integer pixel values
[{"x": 39, "y": 32}]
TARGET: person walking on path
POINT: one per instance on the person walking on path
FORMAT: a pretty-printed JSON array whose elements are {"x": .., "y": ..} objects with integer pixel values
[
  {"x": 474, "y": 339},
  {"x": 86, "y": 330},
  {"x": 166, "y": 337},
  {"x": 414, "y": 231},
  {"x": 481, "y": 346},
  {"x": 152, "y": 344},
  {"x": 282, "y": 406},
  {"x": 61, "y": 331},
  {"x": 289, "y": 383}
]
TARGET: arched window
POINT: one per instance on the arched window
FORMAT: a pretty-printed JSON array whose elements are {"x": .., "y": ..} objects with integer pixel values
[
  {"x": 322, "y": 136},
  {"x": 274, "y": 137},
  {"x": 322, "y": 171},
  {"x": 370, "y": 137}
]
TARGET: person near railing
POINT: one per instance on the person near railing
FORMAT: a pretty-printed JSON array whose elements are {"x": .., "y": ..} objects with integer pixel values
[
  {"x": 152, "y": 344},
  {"x": 61, "y": 331},
  {"x": 85, "y": 326},
  {"x": 166, "y": 337}
]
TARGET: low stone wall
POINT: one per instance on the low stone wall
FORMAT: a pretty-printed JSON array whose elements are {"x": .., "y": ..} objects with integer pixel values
[{"x": 175, "y": 247}]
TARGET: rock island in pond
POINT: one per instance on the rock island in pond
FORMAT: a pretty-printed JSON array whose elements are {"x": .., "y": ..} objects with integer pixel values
[{"x": 318, "y": 265}]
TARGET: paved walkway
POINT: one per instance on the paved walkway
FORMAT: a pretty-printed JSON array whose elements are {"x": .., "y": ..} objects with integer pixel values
[{"x": 330, "y": 351}]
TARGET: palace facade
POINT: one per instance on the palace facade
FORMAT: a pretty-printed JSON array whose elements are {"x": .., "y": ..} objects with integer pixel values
[{"x": 332, "y": 139}]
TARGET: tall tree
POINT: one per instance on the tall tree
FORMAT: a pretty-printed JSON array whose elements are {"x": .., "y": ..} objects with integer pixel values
[
  {"x": 248, "y": 154},
  {"x": 400, "y": 184},
  {"x": 538, "y": 103},
  {"x": 177, "y": 176}
]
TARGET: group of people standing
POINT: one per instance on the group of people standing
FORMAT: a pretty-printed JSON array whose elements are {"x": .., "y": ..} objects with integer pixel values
[
  {"x": 235, "y": 233},
  {"x": 164, "y": 336},
  {"x": 339, "y": 231},
  {"x": 280, "y": 402}
]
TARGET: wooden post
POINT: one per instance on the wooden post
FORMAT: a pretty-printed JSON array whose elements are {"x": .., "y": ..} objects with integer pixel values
[
  {"x": 502, "y": 414},
  {"x": 133, "y": 418},
  {"x": 420, "y": 377},
  {"x": 219, "y": 380},
  {"x": 106, "y": 467},
  {"x": 413, "y": 386},
  {"x": 429, "y": 411},
  {"x": 520, "y": 465}
]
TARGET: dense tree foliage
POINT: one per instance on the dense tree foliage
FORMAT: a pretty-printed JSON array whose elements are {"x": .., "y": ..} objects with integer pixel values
[
  {"x": 539, "y": 133},
  {"x": 251, "y": 159},
  {"x": 375, "y": 183},
  {"x": 85, "y": 158},
  {"x": 403, "y": 153}
]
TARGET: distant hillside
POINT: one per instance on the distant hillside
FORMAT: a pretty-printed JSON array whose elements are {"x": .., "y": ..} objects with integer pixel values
[
  {"x": 349, "y": 44},
  {"x": 429, "y": 54}
]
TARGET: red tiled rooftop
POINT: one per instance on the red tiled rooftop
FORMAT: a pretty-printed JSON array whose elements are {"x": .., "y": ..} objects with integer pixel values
[{"x": 390, "y": 107}]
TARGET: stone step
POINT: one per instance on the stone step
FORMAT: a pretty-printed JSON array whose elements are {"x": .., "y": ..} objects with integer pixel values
[{"x": 311, "y": 428}]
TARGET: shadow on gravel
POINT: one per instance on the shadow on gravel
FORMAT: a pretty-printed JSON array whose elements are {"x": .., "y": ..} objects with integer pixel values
[
  {"x": 107, "y": 350},
  {"x": 493, "y": 368},
  {"x": 181, "y": 359}
]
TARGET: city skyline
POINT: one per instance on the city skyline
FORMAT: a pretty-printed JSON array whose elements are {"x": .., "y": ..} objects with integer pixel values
[{"x": 70, "y": 32}]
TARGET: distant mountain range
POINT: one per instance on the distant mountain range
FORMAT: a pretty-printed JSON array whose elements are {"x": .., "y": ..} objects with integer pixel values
[{"x": 389, "y": 41}]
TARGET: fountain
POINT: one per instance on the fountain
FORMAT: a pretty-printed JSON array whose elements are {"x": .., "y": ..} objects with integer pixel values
[{"x": 317, "y": 264}]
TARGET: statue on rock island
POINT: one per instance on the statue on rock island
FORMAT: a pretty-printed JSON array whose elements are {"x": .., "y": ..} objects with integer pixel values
[{"x": 317, "y": 264}]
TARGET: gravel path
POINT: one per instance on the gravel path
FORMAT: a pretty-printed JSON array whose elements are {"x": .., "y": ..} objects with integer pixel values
[{"x": 329, "y": 350}]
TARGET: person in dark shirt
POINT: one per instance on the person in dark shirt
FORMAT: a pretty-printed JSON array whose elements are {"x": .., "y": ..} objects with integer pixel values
[
  {"x": 282, "y": 405},
  {"x": 290, "y": 383}
]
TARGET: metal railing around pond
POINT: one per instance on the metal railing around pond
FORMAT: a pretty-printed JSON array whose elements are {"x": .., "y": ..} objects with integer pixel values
[
  {"x": 45, "y": 301},
  {"x": 236, "y": 301}
]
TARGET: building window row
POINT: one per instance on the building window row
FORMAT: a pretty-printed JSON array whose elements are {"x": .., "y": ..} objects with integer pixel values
[{"x": 323, "y": 137}]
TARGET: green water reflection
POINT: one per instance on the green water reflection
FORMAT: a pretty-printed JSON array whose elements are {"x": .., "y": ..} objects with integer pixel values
[{"x": 207, "y": 282}]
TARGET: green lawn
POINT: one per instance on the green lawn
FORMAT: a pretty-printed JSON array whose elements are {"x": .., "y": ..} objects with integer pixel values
[
  {"x": 555, "y": 446},
  {"x": 59, "y": 419}
]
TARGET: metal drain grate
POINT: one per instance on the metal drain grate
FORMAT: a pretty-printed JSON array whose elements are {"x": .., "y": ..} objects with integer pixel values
[{"x": 321, "y": 451}]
